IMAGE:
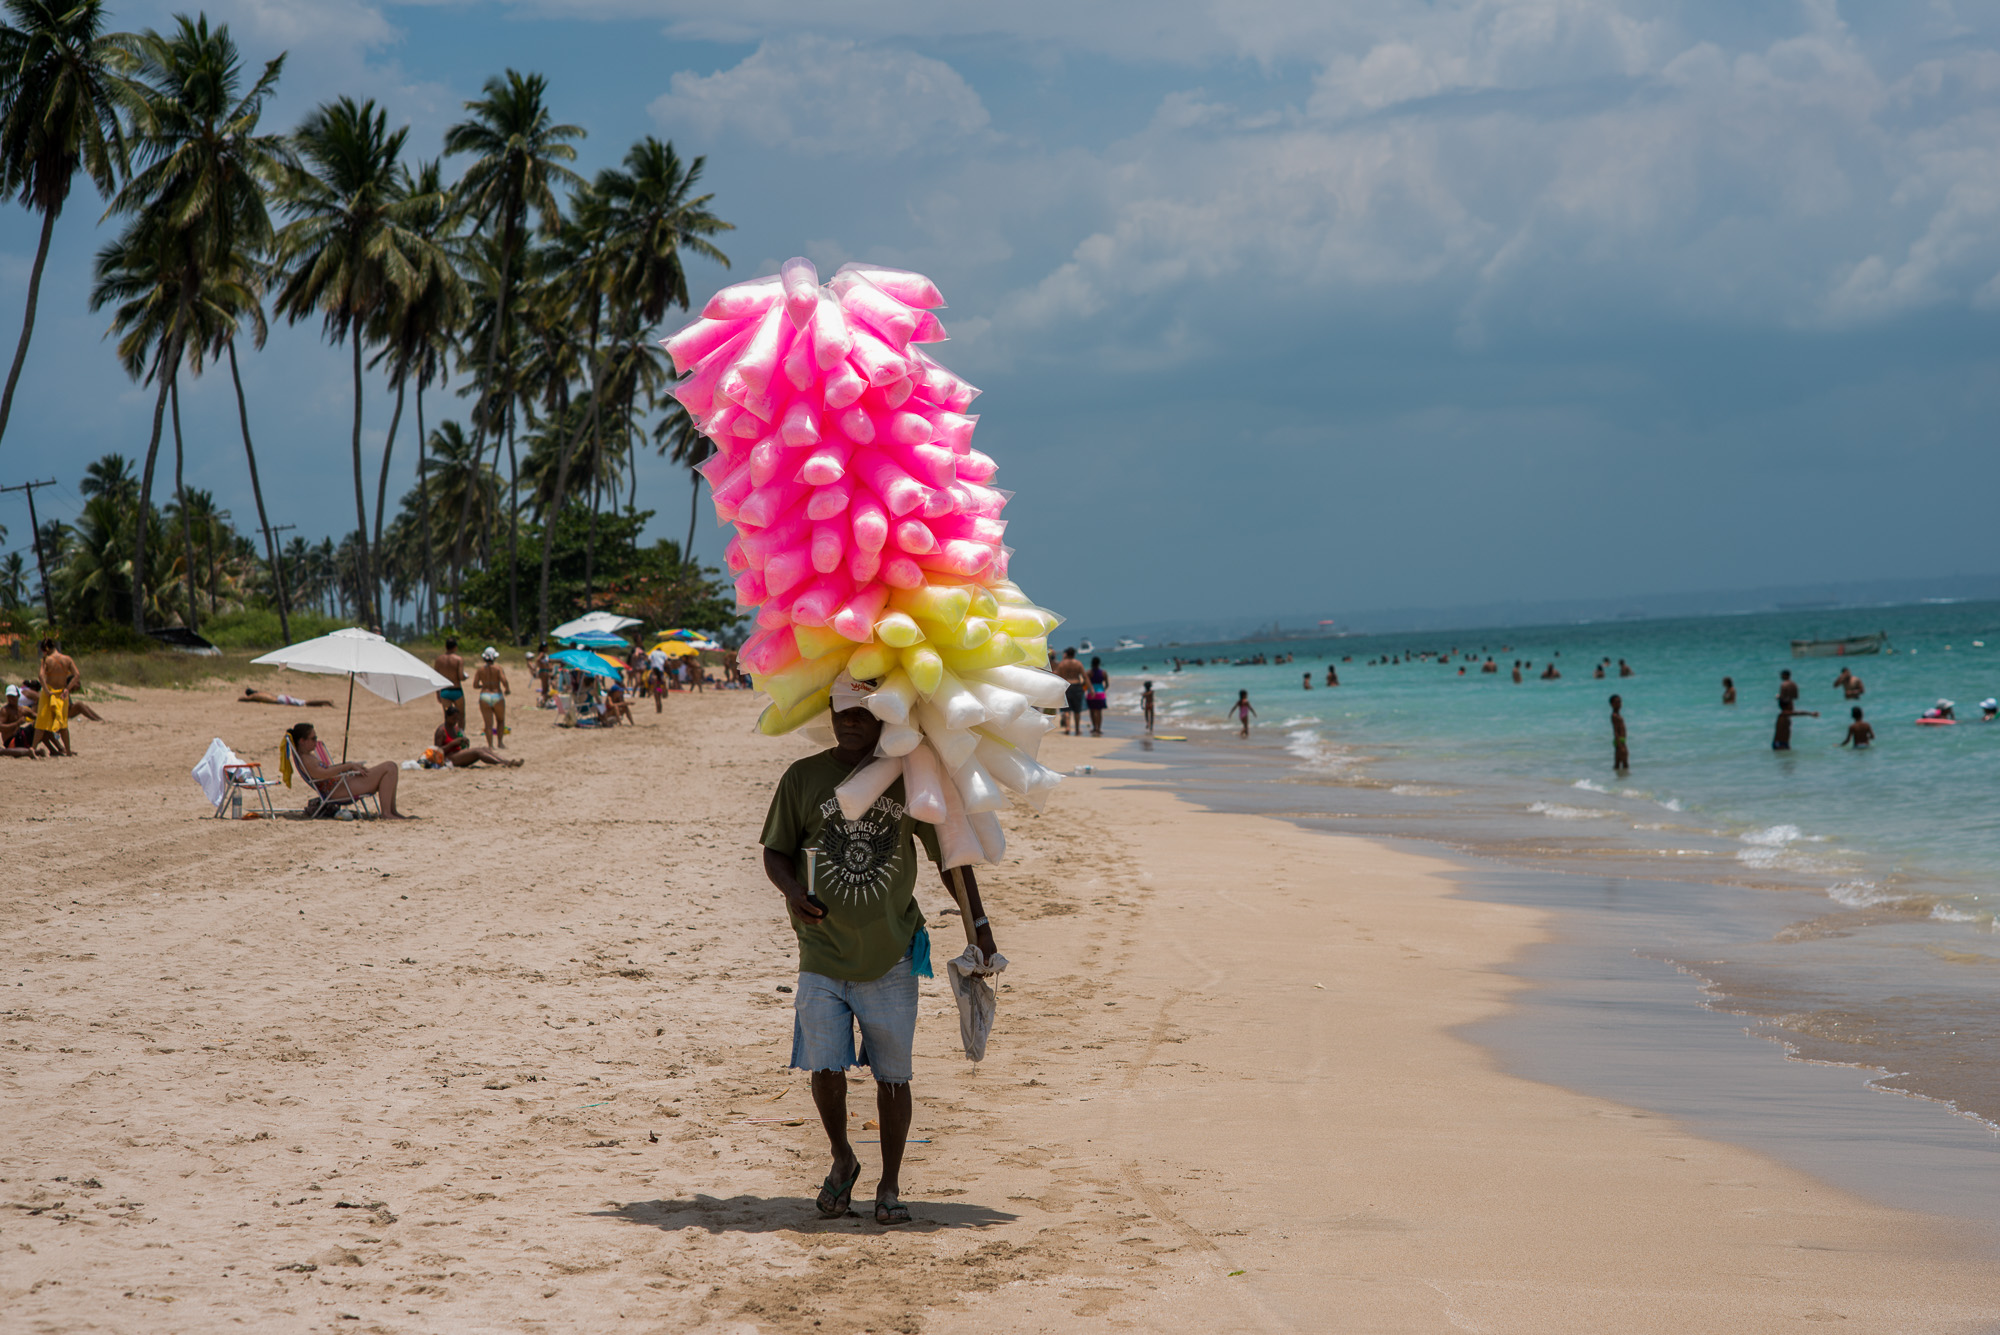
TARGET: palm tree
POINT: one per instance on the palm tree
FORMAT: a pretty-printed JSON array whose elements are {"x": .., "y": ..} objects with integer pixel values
[
  {"x": 581, "y": 251},
  {"x": 197, "y": 198},
  {"x": 60, "y": 98},
  {"x": 172, "y": 310},
  {"x": 656, "y": 215},
  {"x": 353, "y": 248},
  {"x": 519, "y": 156},
  {"x": 677, "y": 437},
  {"x": 416, "y": 333},
  {"x": 462, "y": 483}
]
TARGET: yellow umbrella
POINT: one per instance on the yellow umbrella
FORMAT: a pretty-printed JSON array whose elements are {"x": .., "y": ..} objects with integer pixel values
[{"x": 677, "y": 649}]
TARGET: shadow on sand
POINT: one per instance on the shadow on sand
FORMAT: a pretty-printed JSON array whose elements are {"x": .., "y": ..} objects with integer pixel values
[{"x": 796, "y": 1214}]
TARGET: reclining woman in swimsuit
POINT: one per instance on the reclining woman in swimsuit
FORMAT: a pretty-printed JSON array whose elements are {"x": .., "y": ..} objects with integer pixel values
[
  {"x": 450, "y": 739},
  {"x": 321, "y": 774},
  {"x": 252, "y": 696}
]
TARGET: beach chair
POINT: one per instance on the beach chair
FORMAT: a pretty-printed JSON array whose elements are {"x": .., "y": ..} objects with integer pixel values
[
  {"x": 321, "y": 804},
  {"x": 222, "y": 774}
]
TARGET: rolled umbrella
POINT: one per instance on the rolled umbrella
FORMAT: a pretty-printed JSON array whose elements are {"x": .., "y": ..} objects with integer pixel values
[{"x": 360, "y": 656}]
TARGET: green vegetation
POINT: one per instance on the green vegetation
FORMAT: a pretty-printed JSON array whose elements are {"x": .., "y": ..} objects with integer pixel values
[{"x": 538, "y": 288}]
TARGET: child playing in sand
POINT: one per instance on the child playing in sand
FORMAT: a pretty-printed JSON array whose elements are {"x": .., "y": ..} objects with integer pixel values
[{"x": 1243, "y": 711}]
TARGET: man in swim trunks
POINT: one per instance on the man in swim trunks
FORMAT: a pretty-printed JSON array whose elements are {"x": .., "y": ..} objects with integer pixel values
[
  {"x": 1078, "y": 679},
  {"x": 452, "y": 668},
  {"x": 493, "y": 688},
  {"x": 252, "y": 696},
  {"x": 59, "y": 678}
]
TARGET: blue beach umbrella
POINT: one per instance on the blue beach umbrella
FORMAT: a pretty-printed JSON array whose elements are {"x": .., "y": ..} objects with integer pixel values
[{"x": 588, "y": 662}]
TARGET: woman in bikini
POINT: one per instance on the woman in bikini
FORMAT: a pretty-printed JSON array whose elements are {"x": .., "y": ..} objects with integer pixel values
[
  {"x": 493, "y": 688},
  {"x": 450, "y": 741},
  {"x": 1094, "y": 698}
]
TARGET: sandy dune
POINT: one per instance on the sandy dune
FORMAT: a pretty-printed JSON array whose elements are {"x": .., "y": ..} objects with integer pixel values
[{"x": 519, "y": 1065}]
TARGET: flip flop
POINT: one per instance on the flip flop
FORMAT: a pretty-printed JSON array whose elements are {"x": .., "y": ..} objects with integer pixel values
[
  {"x": 891, "y": 1210},
  {"x": 835, "y": 1197}
]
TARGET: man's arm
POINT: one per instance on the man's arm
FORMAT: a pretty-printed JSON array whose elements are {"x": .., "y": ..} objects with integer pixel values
[
  {"x": 778, "y": 867},
  {"x": 982, "y": 930}
]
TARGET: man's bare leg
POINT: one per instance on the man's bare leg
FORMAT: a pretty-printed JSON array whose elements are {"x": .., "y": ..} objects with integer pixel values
[
  {"x": 829, "y": 1090},
  {"x": 893, "y": 1106}
]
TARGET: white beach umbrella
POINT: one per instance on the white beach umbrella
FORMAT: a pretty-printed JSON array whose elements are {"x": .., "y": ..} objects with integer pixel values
[
  {"x": 608, "y": 622},
  {"x": 365, "y": 657}
]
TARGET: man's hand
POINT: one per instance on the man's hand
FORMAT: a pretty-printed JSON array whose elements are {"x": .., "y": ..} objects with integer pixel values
[
  {"x": 779, "y": 870},
  {"x": 985, "y": 942}
]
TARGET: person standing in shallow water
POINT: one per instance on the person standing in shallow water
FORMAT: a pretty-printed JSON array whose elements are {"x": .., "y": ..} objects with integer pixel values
[
  {"x": 1729, "y": 690},
  {"x": 1781, "y": 739},
  {"x": 1860, "y": 735},
  {"x": 1621, "y": 759},
  {"x": 1243, "y": 710}
]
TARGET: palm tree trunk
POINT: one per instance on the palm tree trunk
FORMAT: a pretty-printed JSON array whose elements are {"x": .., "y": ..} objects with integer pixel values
[
  {"x": 170, "y": 353},
  {"x": 382, "y": 481},
  {"x": 28, "y": 321},
  {"x": 513, "y": 532},
  {"x": 180, "y": 497},
  {"x": 424, "y": 507},
  {"x": 363, "y": 575},
  {"x": 694, "y": 507},
  {"x": 478, "y": 420},
  {"x": 256, "y": 490},
  {"x": 553, "y": 517},
  {"x": 555, "y": 511}
]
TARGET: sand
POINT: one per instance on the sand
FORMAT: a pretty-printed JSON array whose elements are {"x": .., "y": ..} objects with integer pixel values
[{"x": 519, "y": 1065}]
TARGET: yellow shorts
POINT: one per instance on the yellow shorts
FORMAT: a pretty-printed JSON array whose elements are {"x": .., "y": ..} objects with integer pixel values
[{"x": 52, "y": 713}]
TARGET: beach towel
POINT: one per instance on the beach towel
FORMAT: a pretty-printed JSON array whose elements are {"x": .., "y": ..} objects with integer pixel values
[
  {"x": 52, "y": 713},
  {"x": 972, "y": 988},
  {"x": 208, "y": 771}
]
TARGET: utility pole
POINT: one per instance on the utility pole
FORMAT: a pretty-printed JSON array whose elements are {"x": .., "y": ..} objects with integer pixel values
[
  {"x": 34, "y": 527},
  {"x": 278, "y": 573}
]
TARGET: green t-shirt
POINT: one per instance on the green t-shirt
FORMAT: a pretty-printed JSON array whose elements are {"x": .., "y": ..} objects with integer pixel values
[{"x": 867, "y": 870}]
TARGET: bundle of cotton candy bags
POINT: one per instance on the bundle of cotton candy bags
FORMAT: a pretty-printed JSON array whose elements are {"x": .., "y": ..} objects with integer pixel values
[{"x": 868, "y": 538}]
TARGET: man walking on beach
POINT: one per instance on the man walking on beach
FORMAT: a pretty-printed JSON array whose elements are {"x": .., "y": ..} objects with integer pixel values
[
  {"x": 1078, "y": 678},
  {"x": 1621, "y": 759},
  {"x": 452, "y": 668},
  {"x": 862, "y": 943},
  {"x": 59, "y": 678}
]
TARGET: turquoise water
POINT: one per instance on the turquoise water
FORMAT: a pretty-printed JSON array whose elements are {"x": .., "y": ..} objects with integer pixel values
[
  {"x": 1913, "y": 820},
  {"x": 1898, "y": 969}
]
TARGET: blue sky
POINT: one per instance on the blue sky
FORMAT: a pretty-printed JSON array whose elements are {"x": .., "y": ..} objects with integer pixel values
[{"x": 1279, "y": 306}]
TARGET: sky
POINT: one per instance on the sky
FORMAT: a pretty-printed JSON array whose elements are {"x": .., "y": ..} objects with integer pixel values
[{"x": 1278, "y": 306}]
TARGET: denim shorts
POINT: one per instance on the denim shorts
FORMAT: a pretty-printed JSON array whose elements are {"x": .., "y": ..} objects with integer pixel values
[{"x": 825, "y": 1011}]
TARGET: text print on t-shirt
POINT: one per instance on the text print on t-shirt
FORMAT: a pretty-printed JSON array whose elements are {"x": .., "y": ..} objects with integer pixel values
[{"x": 856, "y": 857}]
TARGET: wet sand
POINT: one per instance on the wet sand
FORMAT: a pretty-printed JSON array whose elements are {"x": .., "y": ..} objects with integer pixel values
[{"x": 519, "y": 1065}]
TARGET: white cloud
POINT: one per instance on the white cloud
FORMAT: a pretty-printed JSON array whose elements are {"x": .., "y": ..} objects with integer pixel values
[{"x": 823, "y": 95}]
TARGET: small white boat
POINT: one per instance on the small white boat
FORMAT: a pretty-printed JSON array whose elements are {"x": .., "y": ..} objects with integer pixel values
[{"x": 1128, "y": 644}]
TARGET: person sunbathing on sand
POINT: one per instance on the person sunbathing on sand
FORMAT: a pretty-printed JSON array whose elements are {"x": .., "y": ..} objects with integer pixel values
[
  {"x": 362, "y": 779},
  {"x": 450, "y": 739},
  {"x": 252, "y": 696}
]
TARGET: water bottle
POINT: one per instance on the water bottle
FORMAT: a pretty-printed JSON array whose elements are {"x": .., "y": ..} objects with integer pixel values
[{"x": 236, "y": 804}]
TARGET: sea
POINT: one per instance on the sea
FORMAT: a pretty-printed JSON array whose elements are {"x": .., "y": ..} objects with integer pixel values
[{"x": 1842, "y": 906}]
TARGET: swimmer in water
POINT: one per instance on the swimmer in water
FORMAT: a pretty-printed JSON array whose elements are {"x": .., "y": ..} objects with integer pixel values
[
  {"x": 1859, "y": 735},
  {"x": 1729, "y": 690},
  {"x": 1621, "y": 759}
]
